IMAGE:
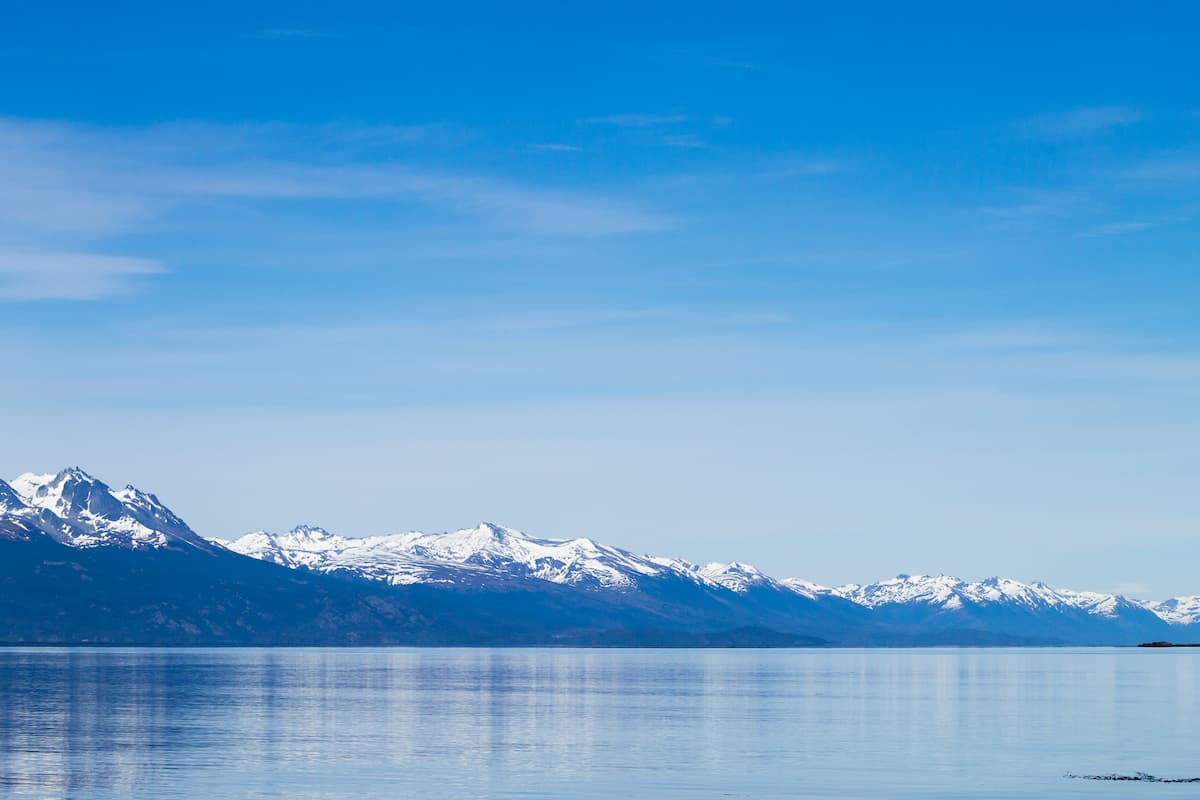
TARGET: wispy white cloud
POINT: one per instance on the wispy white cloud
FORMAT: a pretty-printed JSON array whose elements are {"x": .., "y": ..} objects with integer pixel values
[
  {"x": 802, "y": 167},
  {"x": 782, "y": 168},
  {"x": 95, "y": 182},
  {"x": 685, "y": 140},
  {"x": 51, "y": 275},
  {"x": 1031, "y": 206},
  {"x": 1078, "y": 122},
  {"x": 1018, "y": 335},
  {"x": 68, "y": 191},
  {"x": 554, "y": 147},
  {"x": 663, "y": 129},
  {"x": 1115, "y": 229},
  {"x": 504, "y": 205},
  {"x": 88, "y": 188},
  {"x": 638, "y": 120},
  {"x": 1179, "y": 168}
]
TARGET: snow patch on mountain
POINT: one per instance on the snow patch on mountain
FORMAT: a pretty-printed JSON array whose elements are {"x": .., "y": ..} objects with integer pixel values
[{"x": 25, "y": 485}]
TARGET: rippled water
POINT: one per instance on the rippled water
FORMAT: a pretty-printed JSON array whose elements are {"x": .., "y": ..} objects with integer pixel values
[{"x": 496, "y": 723}]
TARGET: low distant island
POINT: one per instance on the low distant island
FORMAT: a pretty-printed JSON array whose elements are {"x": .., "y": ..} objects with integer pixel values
[{"x": 1167, "y": 644}]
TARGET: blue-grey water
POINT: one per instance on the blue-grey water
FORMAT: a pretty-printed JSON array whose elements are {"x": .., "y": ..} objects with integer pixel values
[{"x": 550, "y": 723}]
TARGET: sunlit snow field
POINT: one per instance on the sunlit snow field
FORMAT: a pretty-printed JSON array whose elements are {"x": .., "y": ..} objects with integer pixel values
[{"x": 545, "y": 723}]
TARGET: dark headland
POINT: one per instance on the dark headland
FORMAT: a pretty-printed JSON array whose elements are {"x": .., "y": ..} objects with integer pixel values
[{"x": 1166, "y": 644}]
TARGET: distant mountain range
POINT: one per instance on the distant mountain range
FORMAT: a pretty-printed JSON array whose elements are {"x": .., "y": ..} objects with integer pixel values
[{"x": 83, "y": 562}]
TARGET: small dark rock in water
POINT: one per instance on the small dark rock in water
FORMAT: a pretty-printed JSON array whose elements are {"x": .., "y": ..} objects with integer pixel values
[{"x": 1136, "y": 776}]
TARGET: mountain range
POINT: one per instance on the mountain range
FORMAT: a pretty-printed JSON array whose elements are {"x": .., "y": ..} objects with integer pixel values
[{"x": 86, "y": 563}]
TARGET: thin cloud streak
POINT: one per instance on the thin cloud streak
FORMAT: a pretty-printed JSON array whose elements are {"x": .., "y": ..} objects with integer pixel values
[
  {"x": 1169, "y": 169},
  {"x": 638, "y": 120},
  {"x": 1115, "y": 229},
  {"x": 552, "y": 147},
  {"x": 54, "y": 275},
  {"x": 508, "y": 206},
  {"x": 1078, "y": 122},
  {"x": 688, "y": 141},
  {"x": 67, "y": 191},
  {"x": 1036, "y": 205},
  {"x": 89, "y": 184}
]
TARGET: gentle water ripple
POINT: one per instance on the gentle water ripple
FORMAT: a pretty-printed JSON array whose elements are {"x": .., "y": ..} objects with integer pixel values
[{"x": 542, "y": 723}]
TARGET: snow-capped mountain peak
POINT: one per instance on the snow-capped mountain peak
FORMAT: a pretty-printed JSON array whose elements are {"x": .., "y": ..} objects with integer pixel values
[
  {"x": 312, "y": 532},
  {"x": 926, "y": 589},
  {"x": 303, "y": 546},
  {"x": 735, "y": 576},
  {"x": 70, "y": 493},
  {"x": 1178, "y": 610},
  {"x": 578, "y": 562},
  {"x": 83, "y": 511}
]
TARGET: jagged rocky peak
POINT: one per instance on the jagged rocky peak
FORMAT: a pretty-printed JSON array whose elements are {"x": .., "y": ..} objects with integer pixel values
[
  {"x": 70, "y": 493},
  {"x": 488, "y": 532},
  {"x": 80, "y": 510},
  {"x": 311, "y": 532}
]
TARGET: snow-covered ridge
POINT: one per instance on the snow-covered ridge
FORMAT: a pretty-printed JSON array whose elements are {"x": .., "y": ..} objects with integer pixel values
[
  {"x": 460, "y": 557},
  {"x": 78, "y": 510},
  {"x": 487, "y": 549},
  {"x": 494, "y": 550},
  {"x": 950, "y": 593}
]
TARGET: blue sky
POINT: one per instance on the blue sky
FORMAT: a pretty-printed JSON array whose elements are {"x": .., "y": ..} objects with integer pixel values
[{"x": 841, "y": 291}]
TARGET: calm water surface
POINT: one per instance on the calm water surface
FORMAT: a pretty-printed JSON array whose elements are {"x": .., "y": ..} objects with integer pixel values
[{"x": 528, "y": 723}]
